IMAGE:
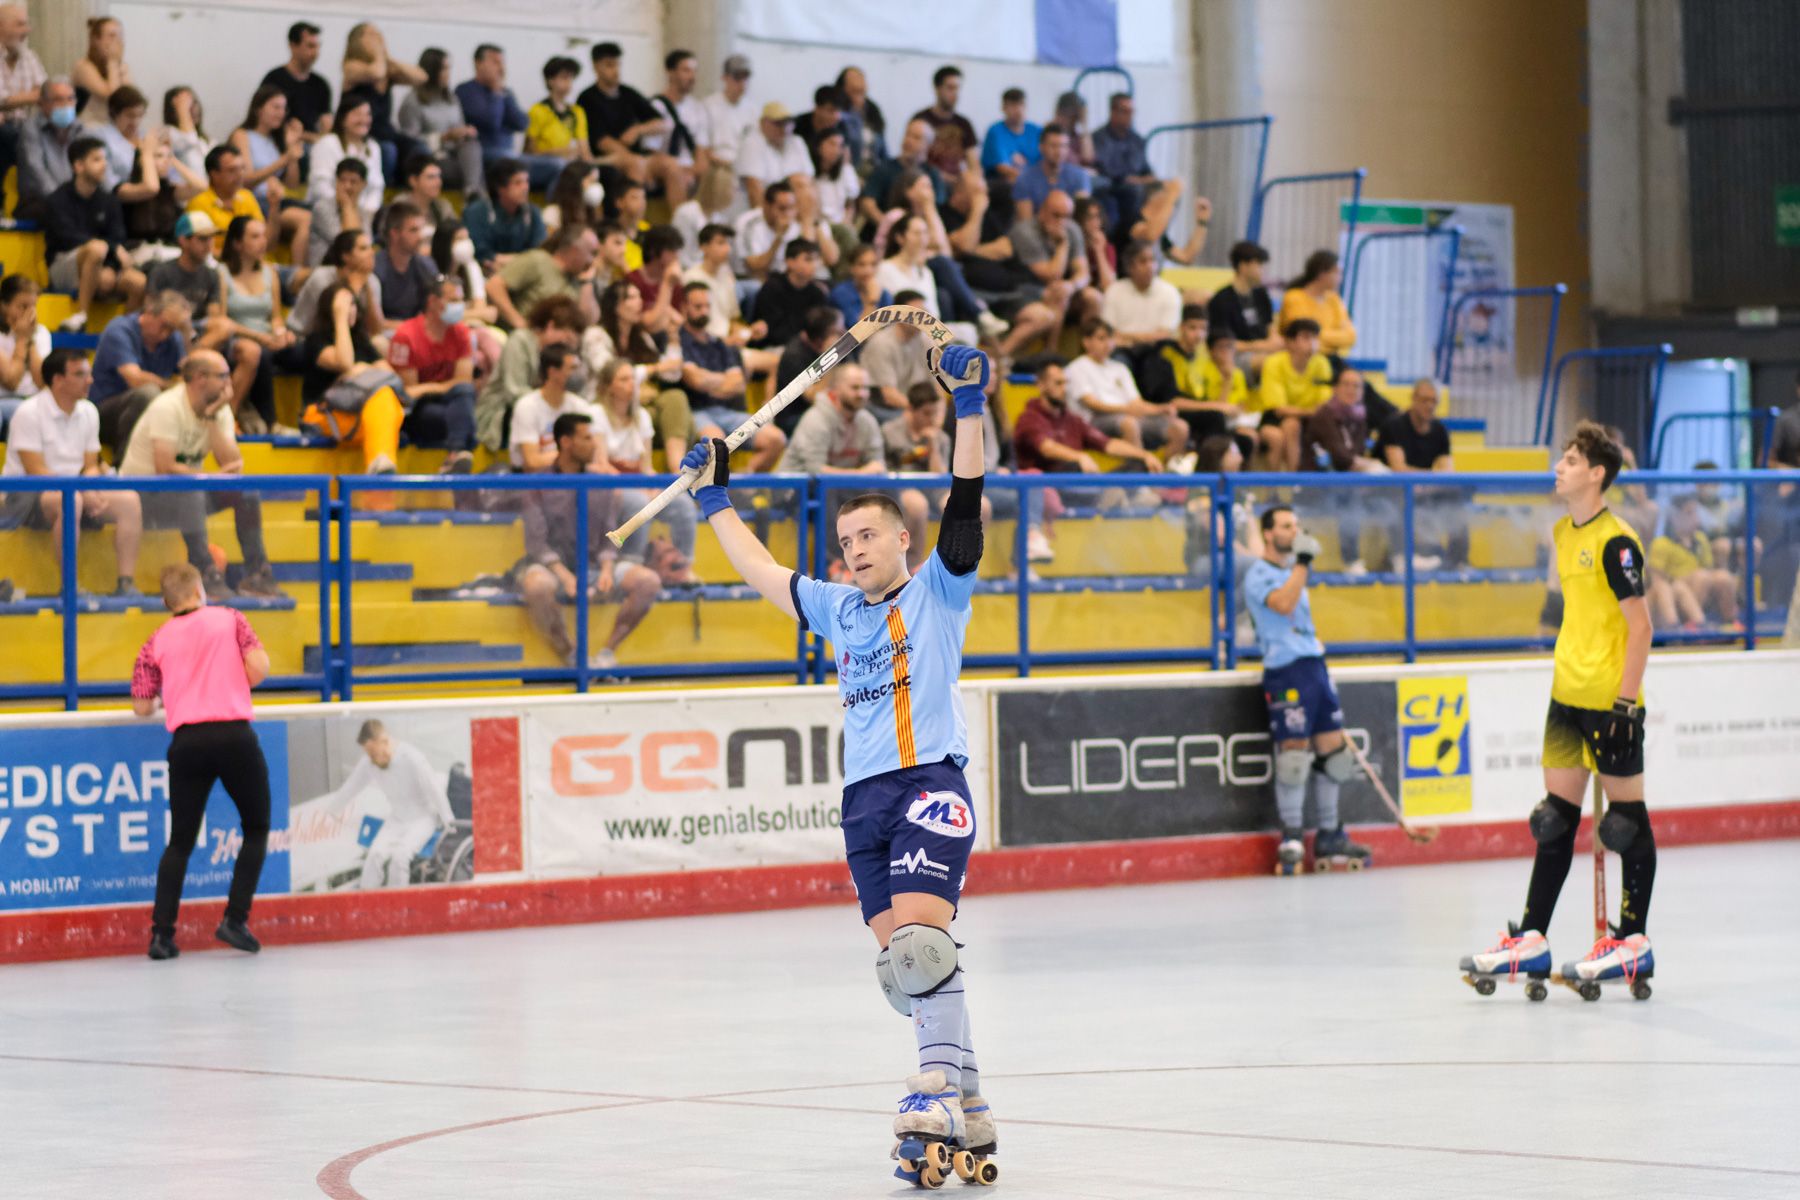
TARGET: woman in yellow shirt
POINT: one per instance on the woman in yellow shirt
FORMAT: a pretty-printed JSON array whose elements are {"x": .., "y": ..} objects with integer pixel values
[{"x": 1315, "y": 296}]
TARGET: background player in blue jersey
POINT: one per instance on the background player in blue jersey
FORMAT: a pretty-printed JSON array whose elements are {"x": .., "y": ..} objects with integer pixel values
[
  {"x": 908, "y": 820},
  {"x": 1306, "y": 722}
]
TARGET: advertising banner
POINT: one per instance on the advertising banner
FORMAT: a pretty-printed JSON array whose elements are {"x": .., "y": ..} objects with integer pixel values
[
  {"x": 84, "y": 817},
  {"x": 1436, "y": 765},
  {"x": 1095, "y": 764}
]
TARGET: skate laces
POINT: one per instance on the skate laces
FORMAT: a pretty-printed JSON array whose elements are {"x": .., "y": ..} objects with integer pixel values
[
  {"x": 1628, "y": 962},
  {"x": 920, "y": 1102},
  {"x": 1510, "y": 943}
]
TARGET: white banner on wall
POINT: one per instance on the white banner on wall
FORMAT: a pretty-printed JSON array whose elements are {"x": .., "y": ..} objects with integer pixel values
[
  {"x": 997, "y": 29},
  {"x": 570, "y": 16}
]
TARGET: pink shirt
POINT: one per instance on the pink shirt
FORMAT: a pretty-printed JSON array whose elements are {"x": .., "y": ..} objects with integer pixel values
[{"x": 196, "y": 663}]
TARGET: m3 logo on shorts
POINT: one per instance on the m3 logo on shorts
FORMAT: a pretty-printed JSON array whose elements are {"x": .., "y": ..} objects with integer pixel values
[
  {"x": 917, "y": 862},
  {"x": 945, "y": 813}
]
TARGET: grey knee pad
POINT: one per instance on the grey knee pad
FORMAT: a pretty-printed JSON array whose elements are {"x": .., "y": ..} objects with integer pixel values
[
  {"x": 884, "y": 975},
  {"x": 1292, "y": 766},
  {"x": 1551, "y": 823},
  {"x": 1340, "y": 764},
  {"x": 1620, "y": 829},
  {"x": 922, "y": 959}
]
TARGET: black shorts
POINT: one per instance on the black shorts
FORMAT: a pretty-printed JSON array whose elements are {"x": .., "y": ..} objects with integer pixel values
[{"x": 1571, "y": 740}]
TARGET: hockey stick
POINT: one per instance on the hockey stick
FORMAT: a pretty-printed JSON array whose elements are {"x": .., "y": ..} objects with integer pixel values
[
  {"x": 1600, "y": 929},
  {"x": 1420, "y": 835},
  {"x": 855, "y": 336}
]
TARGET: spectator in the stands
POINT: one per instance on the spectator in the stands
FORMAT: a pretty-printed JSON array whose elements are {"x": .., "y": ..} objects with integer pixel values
[
  {"x": 21, "y": 77},
  {"x": 185, "y": 423},
  {"x": 1687, "y": 585},
  {"x": 57, "y": 432},
  {"x": 156, "y": 196},
  {"x": 271, "y": 143},
  {"x": 1102, "y": 255},
  {"x": 906, "y": 268},
  {"x": 554, "y": 269},
  {"x": 406, "y": 271},
  {"x": 308, "y": 93},
  {"x": 889, "y": 181},
  {"x": 349, "y": 138},
  {"x": 1314, "y": 296},
  {"x": 1243, "y": 306},
  {"x": 1055, "y": 171},
  {"x": 864, "y": 126},
  {"x": 862, "y": 292},
  {"x": 822, "y": 326},
  {"x": 44, "y": 145},
  {"x": 1336, "y": 436},
  {"x": 619, "y": 122},
  {"x": 434, "y": 355},
  {"x": 350, "y": 389},
  {"x": 1181, "y": 373},
  {"x": 962, "y": 152},
  {"x": 1143, "y": 308},
  {"x": 1415, "y": 440},
  {"x": 712, "y": 373},
  {"x": 556, "y": 127},
  {"x": 102, "y": 70},
  {"x": 1052, "y": 436},
  {"x": 531, "y": 444},
  {"x": 544, "y": 576},
  {"x": 915, "y": 441},
  {"x": 762, "y": 234},
  {"x": 626, "y": 445},
  {"x": 824, "y": 118},
  {"x": 425, "y": 192},
  {"x": 1102, "y": 389},
  {"x": 504, "y": 222},
  {"x": 772, "y": 154},
  {"x": 616, "y": 253},
  {"x": 454, "y": 254},
  {"x": 1120, "y": 162},
  {"x": 1629, "y": 500},
  {"x": 688, "y": 136},
  {"x": 1294, "y": 384},
  {"x": 1072, "y": 114},
  {"x": 626, "y": 204},
  {"x": 895, "y": 362},
  {"x": 84, "y": 237},
  {"x": 182, "y": 117},
  {"x": 225, "y": 198},
  {"x": 575, "y": 198},
  {"x": 341, "y": 212},
  {"x": 557, "y": 321},
  {"x": 1011, "y": 143},
  {"x": 837, "y": 185},
  {"x": 252, "y": 303},
  {"x": 730, "y": 119},
  {"x": 1152, "y": 224},
  {"x": 193, "y": 275},
  {"x": 352, "y": 253},
  {"x": 24, "y": 344},
  {"x": 1051, "y": 247},
  {"x": 432, "y": 116},
  {"x": 370, "y": 73},
  {"x": 658, "y": 281},
  {"x": 714, "y": 270},
  {"x": 138, "y": 357},
  {"x": 782, "y": 304},
  {"x": 122, "y": 133},
  {"x": 491, "y": 109},
  {"x": 839, "y": 436},
  {"x": 920, "y": 259},
  {"x": 655, "y": 359}
]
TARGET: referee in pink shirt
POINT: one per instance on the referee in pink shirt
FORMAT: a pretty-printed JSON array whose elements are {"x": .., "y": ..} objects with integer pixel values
[{"x": 203, "y": 663}]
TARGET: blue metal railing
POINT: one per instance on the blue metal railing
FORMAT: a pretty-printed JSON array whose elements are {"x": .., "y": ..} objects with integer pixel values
[
  {"x": 1095, "y": 80},
  {"x": 1761, "y": 422},
  {"x": 1655, "y": 357},
  {"x": 1554, "y": 292},
  {"x": 1390, "y": 503},
  {"x": 1354, "y": 278},
  {"x": 1322, "y": 235},
  {"x": 1232, "y": 186}
]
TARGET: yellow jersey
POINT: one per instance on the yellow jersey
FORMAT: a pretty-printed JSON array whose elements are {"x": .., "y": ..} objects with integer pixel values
[
  {"x": 243, "y": 204},
  {"x": 1600, "y": 564},
  {"x": 1677, "y": 559},
  {"x": 1286, "y": 386}
]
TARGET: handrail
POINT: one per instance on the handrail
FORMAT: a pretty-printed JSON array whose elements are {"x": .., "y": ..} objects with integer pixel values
[
  {"x": 1765, "y": 417},
  {"x": 337, "y": 677},
  {"x": 1355, "y": 175},
  {"x": 1081, "y": 75},
  {"x": 1555, "y": 291},
  {"x": 1354, "y": 275},
  {"x": 1544, "y": 427}
]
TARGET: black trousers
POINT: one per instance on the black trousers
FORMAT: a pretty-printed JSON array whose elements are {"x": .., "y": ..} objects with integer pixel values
[{"x": 200, "y": 755}]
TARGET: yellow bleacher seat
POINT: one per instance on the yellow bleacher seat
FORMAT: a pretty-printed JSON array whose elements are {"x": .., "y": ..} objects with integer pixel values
[
  {"x": 23, "y": 254},
  {"x": 1198, "y": 281}
]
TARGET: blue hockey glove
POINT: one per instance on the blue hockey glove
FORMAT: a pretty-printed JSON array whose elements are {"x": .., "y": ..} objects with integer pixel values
[
  {"x": 713, "y": 462},
  {"x": 970, "y": 398}
]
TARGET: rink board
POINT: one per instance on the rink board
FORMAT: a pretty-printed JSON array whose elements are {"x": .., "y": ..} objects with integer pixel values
[{"x": 583, "y": 808}]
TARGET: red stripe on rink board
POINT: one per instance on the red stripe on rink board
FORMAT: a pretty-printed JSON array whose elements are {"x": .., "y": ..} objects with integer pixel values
[
  {"x": 494, "y": 766},
  {"x": 286, "y": 920}
]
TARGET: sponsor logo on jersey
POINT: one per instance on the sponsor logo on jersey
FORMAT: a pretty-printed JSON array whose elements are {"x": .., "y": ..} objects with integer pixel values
[
  {"x": 1585, "y": 559},
  {"x": 945, "y": 813},
  {"x": 917, "y": 862}
]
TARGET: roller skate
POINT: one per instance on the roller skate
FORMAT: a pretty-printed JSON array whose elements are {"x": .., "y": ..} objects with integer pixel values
[
  {"x": 1611, "y": 958},
  {"x": 1334, "y": 851},
  {"x": 979, "y": 1141},
  {"x": 930, "y": 1127},
  {"x": 1520, "y": 954},
  {"x": 1290, "y": 856}
]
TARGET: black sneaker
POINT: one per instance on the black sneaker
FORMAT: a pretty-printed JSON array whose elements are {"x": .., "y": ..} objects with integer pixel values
[
  {"x": 162, "y": 945},
  {"x": 237, "y": 935},
  {"x": 127, "y": 590},
  {"x": 259, "y": 581},
  {"x": 216, "y": 587}
]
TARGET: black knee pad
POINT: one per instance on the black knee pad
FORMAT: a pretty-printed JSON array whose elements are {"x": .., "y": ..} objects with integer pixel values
[
  {"x": 1554, "y": 820},
  {"x": 1625, "y": 829}
]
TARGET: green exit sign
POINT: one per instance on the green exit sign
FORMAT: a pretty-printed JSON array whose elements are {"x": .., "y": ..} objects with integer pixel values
[{"x": 1787, "y": 215}]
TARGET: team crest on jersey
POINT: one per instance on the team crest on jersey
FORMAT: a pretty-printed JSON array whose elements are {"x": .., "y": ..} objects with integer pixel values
[
  {"x": 943, "y": 813},
  {"x": 1585, "y": 559}
]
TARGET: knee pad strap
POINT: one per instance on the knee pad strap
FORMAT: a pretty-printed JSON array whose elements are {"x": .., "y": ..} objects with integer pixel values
[
  {"x": 1292, "y": 766},
  {"x": 1554, "y": 820},
  {"x": 1340, "y": 765},
  {"x": 922, "y": 959}
]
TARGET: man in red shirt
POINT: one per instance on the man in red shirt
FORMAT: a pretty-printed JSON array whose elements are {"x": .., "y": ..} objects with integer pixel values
[
  {"x": 435, "y": 357},
  {"x": 202, "y": 663},
  {"x": 1050, "y": 436},
  {"x": 658, "y": 281}
]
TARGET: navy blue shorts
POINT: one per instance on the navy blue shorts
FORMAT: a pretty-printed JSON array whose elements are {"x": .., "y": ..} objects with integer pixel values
[
  {"x": 908, "y": 831},
  {"x": 1302, "y": 701}
]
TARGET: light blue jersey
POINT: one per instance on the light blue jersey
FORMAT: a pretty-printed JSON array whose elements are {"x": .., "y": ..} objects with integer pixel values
[
  {"x": 1283, "y": 639},
  {"x": 898, "y": 663}
]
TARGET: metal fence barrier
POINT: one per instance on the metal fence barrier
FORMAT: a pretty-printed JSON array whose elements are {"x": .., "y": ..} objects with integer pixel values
[
  {"x": 1407, "y": 309},
  {"x": 1624, "y": 386},
  {"x": 1221, "y": 160},
  {"x": 1758, "y": 424},
  {"x": 1294, "y": 215},
  {"x": 1496, "y": 356}
]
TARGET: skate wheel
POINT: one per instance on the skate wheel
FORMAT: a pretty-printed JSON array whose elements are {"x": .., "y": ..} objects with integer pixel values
[
  {"x": 1485, "y": 986},
  {"x": 1355, "y": 864},
  {"x": 1536, "y": 991},
  {"x": 937, "y": 1157},
  {"x": 964, "y": 1163},
  {"x": 1590, "y": 991},
  {"x": 1640, "y": 990},
  {"x": 987, "y": 1172},
  {"x": 1321, "y": 866}
]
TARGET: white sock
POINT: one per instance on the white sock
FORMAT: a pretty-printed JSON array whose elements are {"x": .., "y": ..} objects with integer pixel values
[
  {"x": 1325, "y": 793},
  {"x": 1290, "y": 802},
  {"x": 939, "y": 1021},
  {"x": 971, "y": 1073}
]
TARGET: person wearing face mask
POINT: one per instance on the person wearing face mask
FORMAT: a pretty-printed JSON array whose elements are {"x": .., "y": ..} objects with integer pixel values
[
  {"x": 434, "y": 355},
  {"x": 44, "y": 146},
  {"x": 453, "y": 250},
  {"x": 575, "y": 198}
]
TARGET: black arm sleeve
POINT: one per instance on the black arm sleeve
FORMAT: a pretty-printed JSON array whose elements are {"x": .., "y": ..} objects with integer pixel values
[
  {"x": 1624, "y": 562},
  {"x": 959, "y": 533}
]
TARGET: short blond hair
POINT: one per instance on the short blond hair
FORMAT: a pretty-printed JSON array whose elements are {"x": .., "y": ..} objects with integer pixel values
[{"x": 179, "y": 582}]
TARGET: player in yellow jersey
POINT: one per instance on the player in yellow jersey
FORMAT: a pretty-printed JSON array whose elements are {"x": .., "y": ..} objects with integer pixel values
[{"x": 1596, "y": 722}]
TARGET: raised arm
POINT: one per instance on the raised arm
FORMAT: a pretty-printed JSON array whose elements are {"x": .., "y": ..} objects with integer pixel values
[{"x": 749, "y": 557}]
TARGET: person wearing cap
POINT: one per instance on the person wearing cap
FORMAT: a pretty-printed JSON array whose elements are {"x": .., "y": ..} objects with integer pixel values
[
  {"x": 84, "y": 236},
  {"x": 202, "y": 664},
  {"x": 730, "y": 115},
  {"x": 620, "y": 120},
  {"x": 773, "y": 153}
]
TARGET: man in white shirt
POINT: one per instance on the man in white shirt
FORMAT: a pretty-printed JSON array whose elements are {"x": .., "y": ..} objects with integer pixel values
[
  {"x": 762, "y": 234},
  {"x": 1142, "y": 306},
  {"x": 532, "y": 444},
  {"x": 772, "y": 153},
  {"x": 730, "y": 116},
  {"x": 57, "y": 432},
  {"x": 688, "y": 135},
  {"x": 418, "y": 804},
  {"x": 1101, "y": 387}
]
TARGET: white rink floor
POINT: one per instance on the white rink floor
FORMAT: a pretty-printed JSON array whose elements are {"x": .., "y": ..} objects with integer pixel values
[{"x": 1252, "y": 1037}]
